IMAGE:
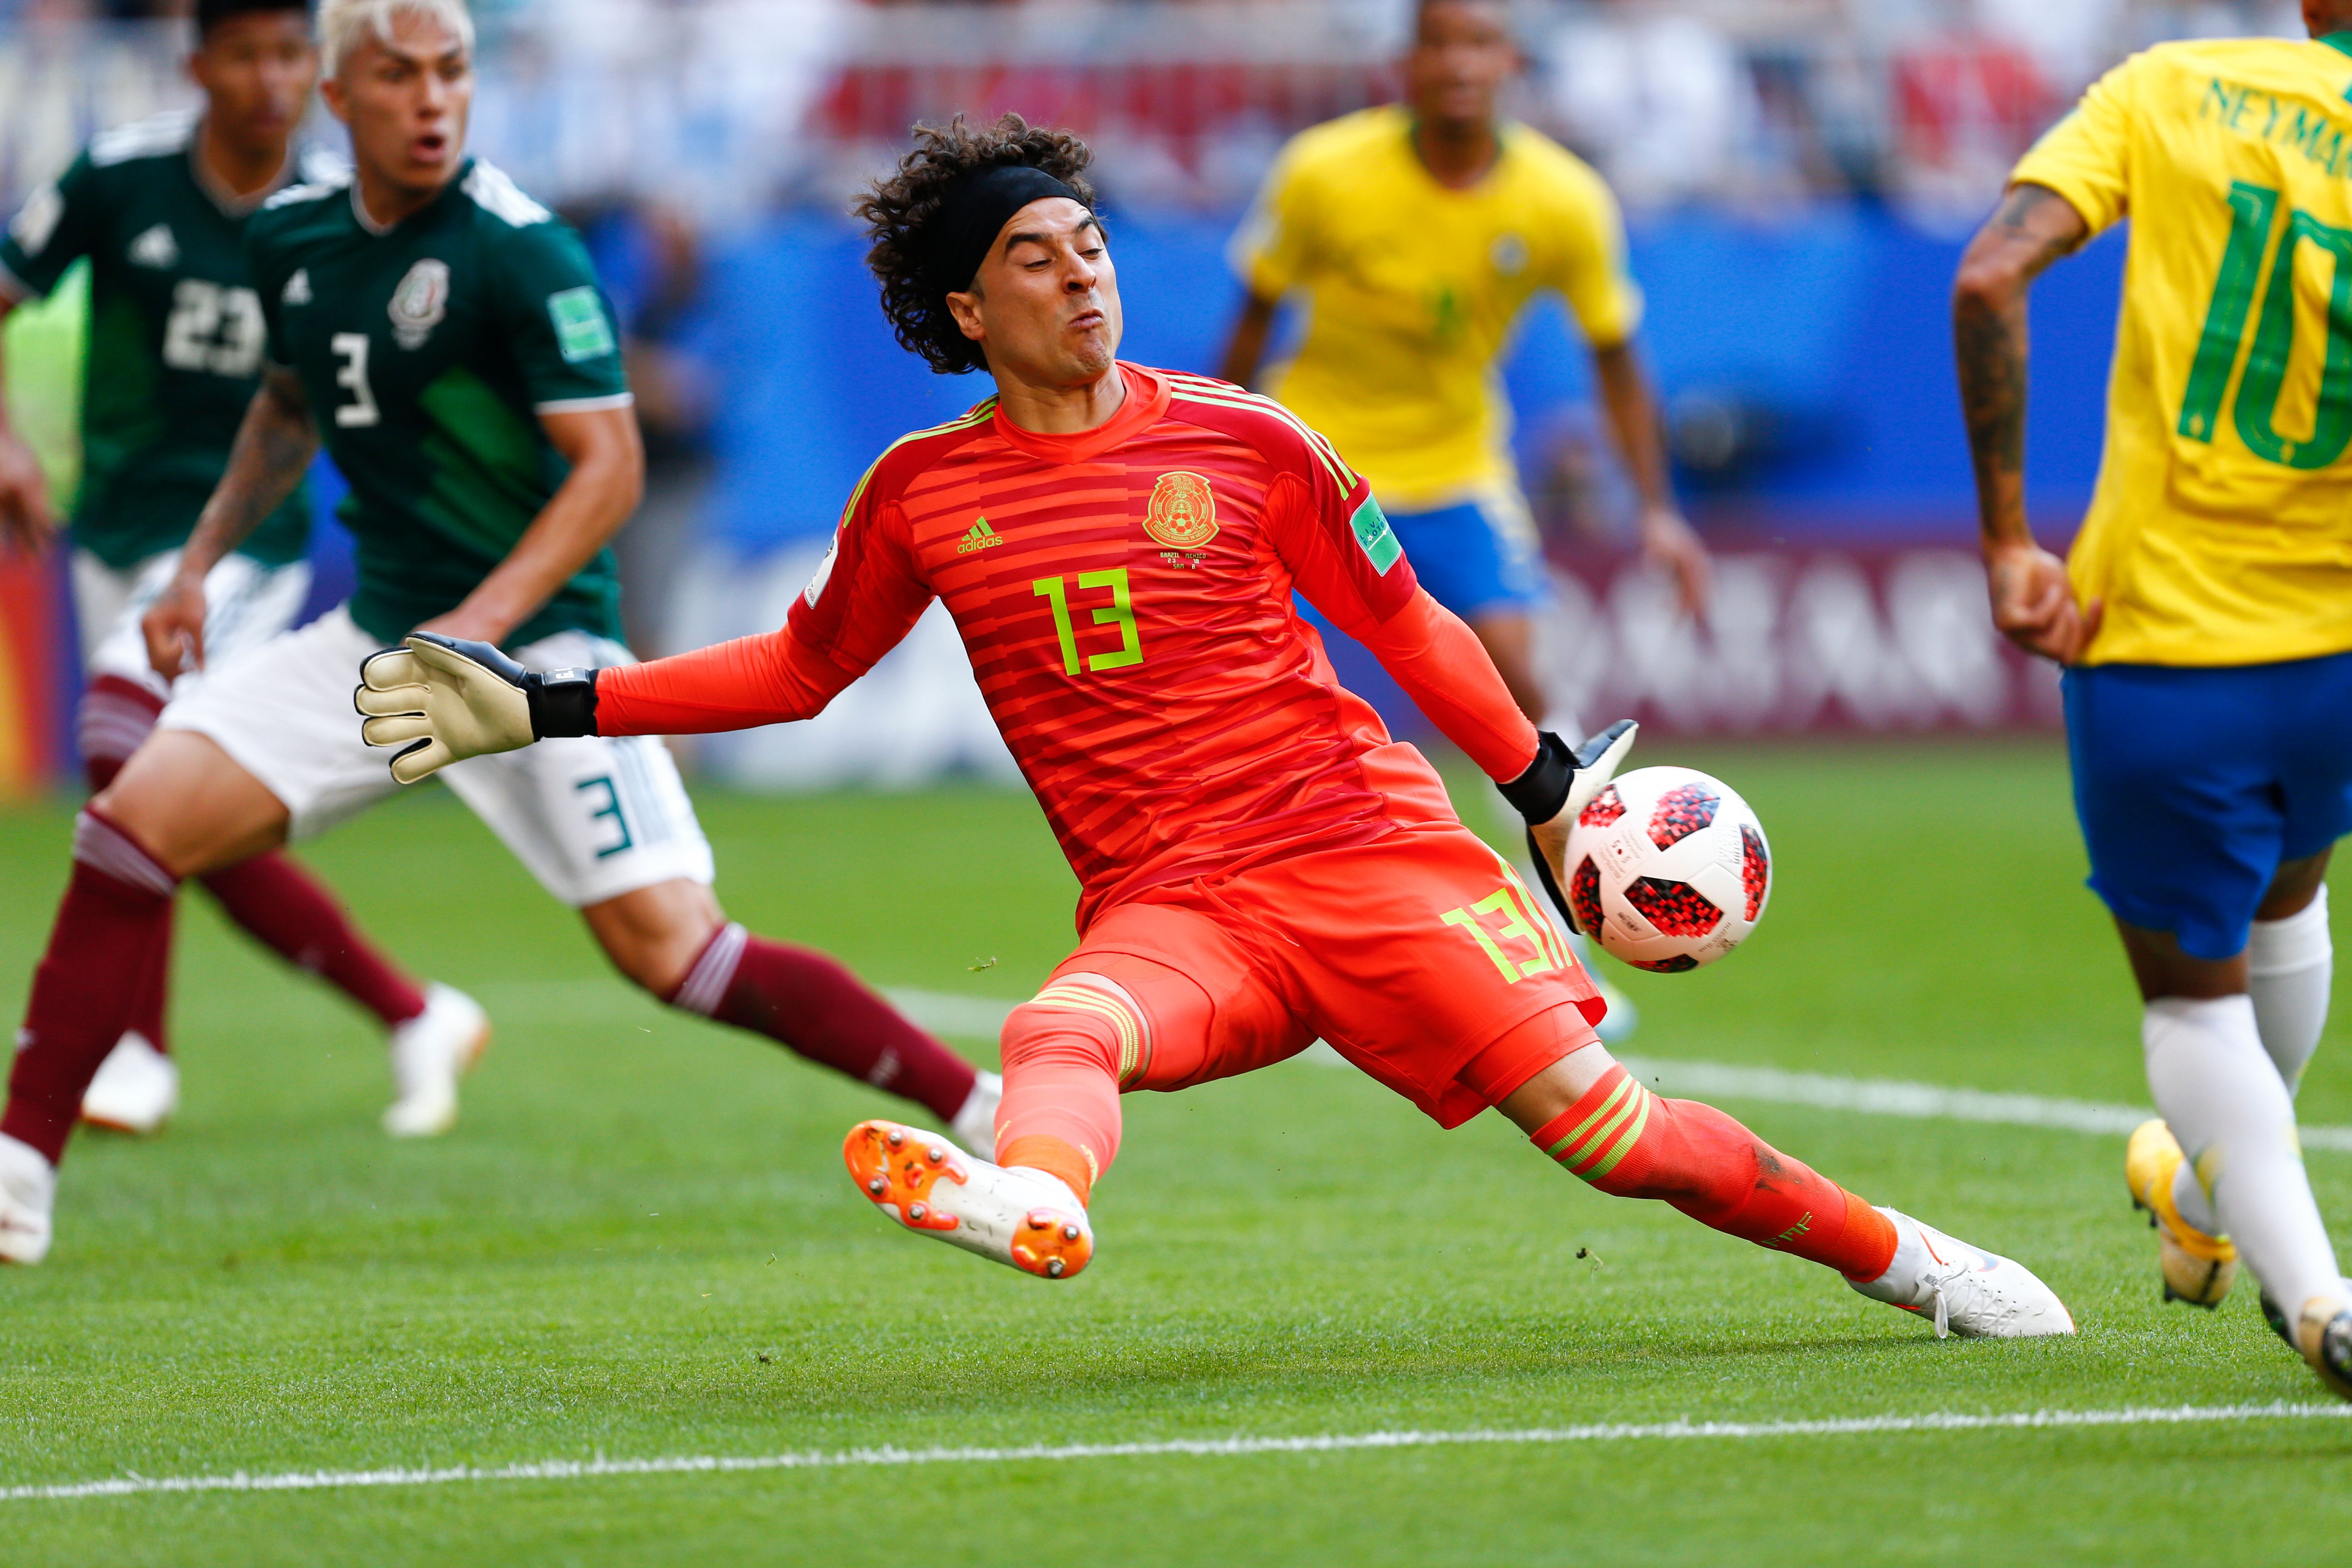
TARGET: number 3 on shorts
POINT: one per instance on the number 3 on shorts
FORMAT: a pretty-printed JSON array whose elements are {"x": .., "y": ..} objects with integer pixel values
[{"x": 611, "y": 808}]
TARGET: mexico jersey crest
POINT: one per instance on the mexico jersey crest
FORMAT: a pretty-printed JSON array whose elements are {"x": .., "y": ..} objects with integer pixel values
[
  {"x": 420, "y": 303},
  {"x": 1183, "y": 512}
]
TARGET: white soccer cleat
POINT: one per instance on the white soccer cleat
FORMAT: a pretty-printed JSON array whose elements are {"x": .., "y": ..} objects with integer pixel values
[
  {"x": 136, "y": 1090},
  {"x": 28, "y": 1191},
  {"x": 429, "y": 1054},
  {"x": 1965, "y": 1289},
  {"x": 974, "y": 1126},
  {"x": 1011, "y": 1214}
]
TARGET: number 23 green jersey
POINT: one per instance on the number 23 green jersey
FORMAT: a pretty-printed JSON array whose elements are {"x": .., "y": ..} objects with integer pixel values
[
  {"x": 175, "y": 335},
  {"x": 2221, "y": 532},
  {"x": 429, "y": 349}
]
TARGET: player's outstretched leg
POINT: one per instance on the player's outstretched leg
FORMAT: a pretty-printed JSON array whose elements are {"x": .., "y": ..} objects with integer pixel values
[
  {"x": 813, "y": 1005},
  {"x": 1629, "y": 1142}
]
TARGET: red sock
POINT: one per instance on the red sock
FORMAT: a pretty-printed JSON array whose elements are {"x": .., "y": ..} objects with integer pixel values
[
  {"x": 1631, "y": 1143},
  {"x": 286, "y": 909},
  {"x": 1062, "y": 1052},
  {"x": 812, "y": 1004},
  {"x": 117, "y": 909},
  {"x": 115, "y": 717}
]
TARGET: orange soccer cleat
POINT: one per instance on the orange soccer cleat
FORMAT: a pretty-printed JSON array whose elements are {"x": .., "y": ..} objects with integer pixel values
[{"x": 1011, "y": 1214}]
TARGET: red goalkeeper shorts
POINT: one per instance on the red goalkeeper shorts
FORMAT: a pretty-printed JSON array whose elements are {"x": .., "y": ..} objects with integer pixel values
[{"x": 1412, "y": 957}]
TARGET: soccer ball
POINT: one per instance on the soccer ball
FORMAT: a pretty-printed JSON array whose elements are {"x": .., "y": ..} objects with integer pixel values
[{"x": 1668, "y": 868}]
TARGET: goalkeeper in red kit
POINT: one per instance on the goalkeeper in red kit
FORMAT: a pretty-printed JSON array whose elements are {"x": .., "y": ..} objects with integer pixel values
[{"x": 1261, "y": 864}]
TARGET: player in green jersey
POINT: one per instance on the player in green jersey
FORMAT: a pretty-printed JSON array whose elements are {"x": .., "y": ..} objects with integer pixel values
[
  {"x": 158, "y": 211},
  {"x": 446, "y": 337}
]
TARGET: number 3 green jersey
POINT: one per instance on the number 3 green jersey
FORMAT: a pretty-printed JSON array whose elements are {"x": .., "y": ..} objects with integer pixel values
[
  {"x": 175, "y": 335},
  {"x": 429, "y": 351},
  {"x": 2222, "y": 530}
]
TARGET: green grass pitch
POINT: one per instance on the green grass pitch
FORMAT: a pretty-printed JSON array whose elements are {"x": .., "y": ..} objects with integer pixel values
[{"x": 640, "y": 1243}]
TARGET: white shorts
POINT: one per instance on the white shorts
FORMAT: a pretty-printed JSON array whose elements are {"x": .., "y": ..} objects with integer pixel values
[
  {"x": 591, "y": 817},
  {"x": 246, "y": 605}
]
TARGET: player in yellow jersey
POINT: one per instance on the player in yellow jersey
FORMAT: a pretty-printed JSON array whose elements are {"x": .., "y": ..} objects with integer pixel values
[
  {"x": 1417, "y": 233},
  {"x": 2205, "y": 615}
]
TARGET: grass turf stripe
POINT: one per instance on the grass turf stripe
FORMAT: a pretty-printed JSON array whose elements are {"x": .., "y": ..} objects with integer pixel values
[{"x": 1181, "y": 1447}]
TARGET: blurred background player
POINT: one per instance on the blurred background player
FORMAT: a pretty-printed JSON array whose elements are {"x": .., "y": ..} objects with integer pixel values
[
  {"x": 1260, "y": 865},
  {"x": 2206, "y": 611},
  {"x": 1417, "y": 233},
  {"x": 159, "y": 210},
  {"x": 448, "y": 335}
]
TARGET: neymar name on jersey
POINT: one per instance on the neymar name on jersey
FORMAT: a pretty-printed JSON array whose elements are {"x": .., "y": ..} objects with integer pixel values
[{"x": 2221, "y": 532}]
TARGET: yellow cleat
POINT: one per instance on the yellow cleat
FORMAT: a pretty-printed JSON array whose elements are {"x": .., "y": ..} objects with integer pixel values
[{"x": 2197, "y": 1269}]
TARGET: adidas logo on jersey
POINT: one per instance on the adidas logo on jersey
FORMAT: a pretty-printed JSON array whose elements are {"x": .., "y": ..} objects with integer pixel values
[
  {"x": 298, "y": 287},
  {"x": 979, "y": 536},
  {"x": 155, "y": 248}
]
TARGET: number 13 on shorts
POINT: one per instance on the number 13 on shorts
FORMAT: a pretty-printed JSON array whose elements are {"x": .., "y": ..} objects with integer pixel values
[{"x": 1510, "y": 915}]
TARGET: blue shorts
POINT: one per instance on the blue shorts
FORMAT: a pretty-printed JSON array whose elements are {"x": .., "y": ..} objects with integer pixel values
[
  {"x": 1476, "y": 558},
  {"x": 2194, "y": 785}
]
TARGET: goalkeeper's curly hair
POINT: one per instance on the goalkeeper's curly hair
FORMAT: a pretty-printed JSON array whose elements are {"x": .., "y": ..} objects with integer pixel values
[{"x": 896, "y": 211}]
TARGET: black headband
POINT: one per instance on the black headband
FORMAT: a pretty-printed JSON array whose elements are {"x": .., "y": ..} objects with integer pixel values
[{"x": 975, "y": 212}]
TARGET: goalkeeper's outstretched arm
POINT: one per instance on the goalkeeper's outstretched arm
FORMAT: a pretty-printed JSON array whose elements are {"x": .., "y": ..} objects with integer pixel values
[{"x": 441, "y": 699}]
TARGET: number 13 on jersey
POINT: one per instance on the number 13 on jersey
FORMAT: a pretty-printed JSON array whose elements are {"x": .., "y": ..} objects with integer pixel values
[{"x": 1119, "y": 612}]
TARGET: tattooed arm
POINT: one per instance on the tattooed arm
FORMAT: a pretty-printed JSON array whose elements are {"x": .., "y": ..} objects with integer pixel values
[
  {"x": 2032, "y": 602},
  {"x": 273, "y": 450}
]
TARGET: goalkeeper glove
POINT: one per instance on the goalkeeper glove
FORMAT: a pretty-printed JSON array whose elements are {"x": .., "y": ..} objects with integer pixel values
[
  {"x": 441, "y": 699},
  {"x": 1559, "y": 784}
]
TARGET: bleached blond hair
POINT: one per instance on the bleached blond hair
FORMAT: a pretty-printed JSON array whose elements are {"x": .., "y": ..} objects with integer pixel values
[{"x": 345, "y": 25}]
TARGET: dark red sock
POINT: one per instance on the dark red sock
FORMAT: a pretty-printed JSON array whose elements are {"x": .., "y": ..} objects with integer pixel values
[
  {"x": 815, "y": 1006},
  {"x": 115, "y": 716},
  {"x": 114, "y": 719},
  {"x": 286, "y": 909},
  {"x": 117, "y": 909}
]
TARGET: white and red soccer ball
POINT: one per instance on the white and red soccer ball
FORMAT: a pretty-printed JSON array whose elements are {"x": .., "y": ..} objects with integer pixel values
[{"x": 1668, "y": 868}]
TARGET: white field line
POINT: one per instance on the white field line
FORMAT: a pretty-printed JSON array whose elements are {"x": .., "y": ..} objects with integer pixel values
[
  {"x": 973, "y": 1017},
  {"x": 980, "y": 1018},
  {"x": 1186, "y": 1447}
]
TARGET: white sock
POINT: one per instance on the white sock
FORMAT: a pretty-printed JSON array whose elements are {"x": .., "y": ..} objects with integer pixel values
[
  {"x": 2225, "y": 1101},
  {"x": 2290, "y": 965}
]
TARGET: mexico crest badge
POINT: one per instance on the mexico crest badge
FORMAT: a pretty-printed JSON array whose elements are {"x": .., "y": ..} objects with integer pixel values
[
  {"x": 1183, "y": 512},
  {"x": 420, "y": 303}
]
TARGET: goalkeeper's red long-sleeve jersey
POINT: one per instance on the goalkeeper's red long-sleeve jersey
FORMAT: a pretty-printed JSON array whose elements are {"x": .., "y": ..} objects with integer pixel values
[{"x": 1126, "y": 598}]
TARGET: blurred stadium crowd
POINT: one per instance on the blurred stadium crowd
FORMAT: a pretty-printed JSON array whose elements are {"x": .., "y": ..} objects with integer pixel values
[
  {"x": 1798, "y": 174},
  {"x": 728, "y": 106}
]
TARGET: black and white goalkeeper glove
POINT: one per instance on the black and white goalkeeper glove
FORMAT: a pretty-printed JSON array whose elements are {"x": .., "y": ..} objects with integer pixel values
[
  {"x": 442, "y": 699},
  {"x": 1559, "y": 784}
]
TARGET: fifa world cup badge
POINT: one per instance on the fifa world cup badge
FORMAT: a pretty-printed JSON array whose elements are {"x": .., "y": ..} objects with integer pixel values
[
  {"x": 420, "y": 303},
  {"x": 1183, "y": 512}
]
